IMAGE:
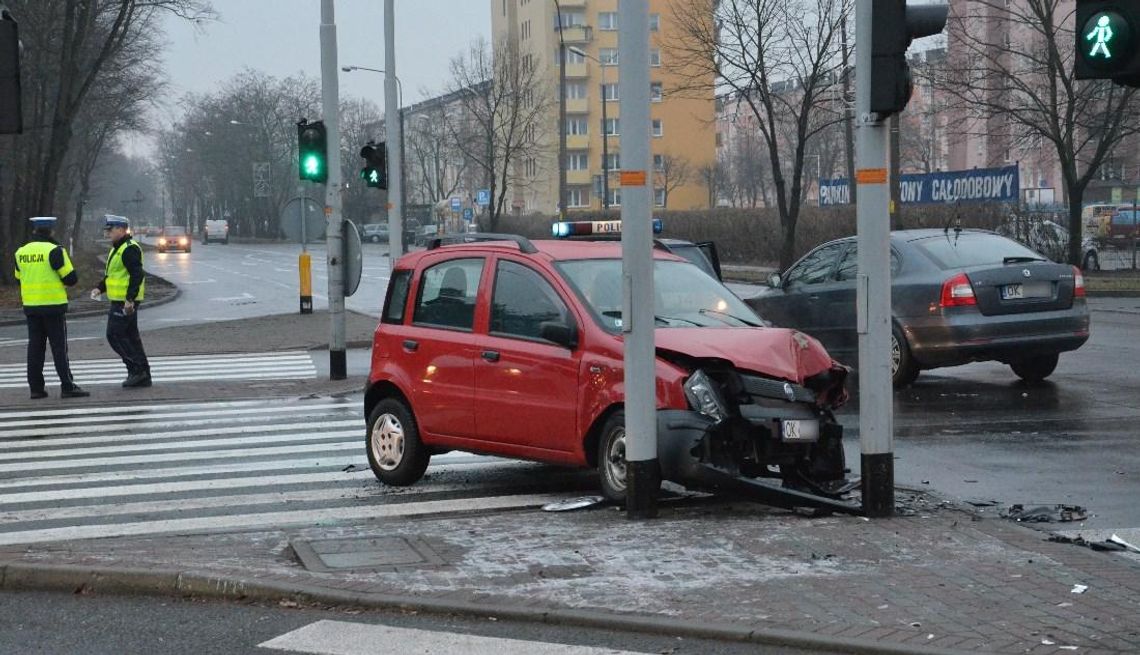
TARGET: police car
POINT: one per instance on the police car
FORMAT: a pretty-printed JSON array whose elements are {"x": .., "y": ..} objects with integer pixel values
[{"x": 702, "y": 254}]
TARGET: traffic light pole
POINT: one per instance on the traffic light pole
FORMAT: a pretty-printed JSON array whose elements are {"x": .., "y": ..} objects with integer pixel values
[
  {"x": 394, "y": 130},
  {"x": 873, "y": 299},
  {"x": 330, "y": 92},
  {"x": 643, "y": 477}
]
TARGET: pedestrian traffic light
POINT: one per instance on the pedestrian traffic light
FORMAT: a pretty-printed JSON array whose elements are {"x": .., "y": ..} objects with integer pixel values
[
  {"x": 375, "y": 171},
  {"x": 312, "y": 151},
  {"x": 1107, "y": 41},
  {"x": 893, "y": 27}
]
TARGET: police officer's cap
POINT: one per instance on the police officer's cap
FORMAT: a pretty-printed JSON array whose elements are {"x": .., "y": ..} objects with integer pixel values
[
  {"x": 110, "y": 221},
  {"x": 43, "y": 222}
]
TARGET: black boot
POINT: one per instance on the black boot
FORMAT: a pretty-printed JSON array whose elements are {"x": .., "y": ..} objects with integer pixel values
[{"x": 74, "y": 392}]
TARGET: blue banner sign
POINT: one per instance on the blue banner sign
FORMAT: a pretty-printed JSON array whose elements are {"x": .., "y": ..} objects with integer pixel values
[{"x": 948, "y": 187}]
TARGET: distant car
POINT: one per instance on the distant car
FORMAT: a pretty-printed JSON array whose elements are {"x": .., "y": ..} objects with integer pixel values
[
  {"x": 957, "y": 296},
  {"x": 216, "y": 230},
  {"x": 424, "y": 232},
  {"x": 374, "y": 232},
  {"x": 173, "y": 237},
  {"x": 515, "y": 348}
]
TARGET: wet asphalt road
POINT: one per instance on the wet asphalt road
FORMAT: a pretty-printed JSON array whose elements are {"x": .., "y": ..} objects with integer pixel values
[{"x": 972, "y": 432}]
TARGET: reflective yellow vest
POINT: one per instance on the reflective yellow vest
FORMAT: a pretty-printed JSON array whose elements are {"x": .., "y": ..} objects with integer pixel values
[
  {"x": 40, "y": 284},
  {"x": 118, "y": 279}
]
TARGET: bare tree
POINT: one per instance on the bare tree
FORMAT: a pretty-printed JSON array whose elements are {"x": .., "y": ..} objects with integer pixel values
[
  {"x": 502, "y": 98},
  {"x": 1010, "y": 70},
  {"x": 779, "y": 57},
  {"x": 713, "y": 177},
  {"x": 435, "y": 164},
  {"x": 674, "y": 171}
]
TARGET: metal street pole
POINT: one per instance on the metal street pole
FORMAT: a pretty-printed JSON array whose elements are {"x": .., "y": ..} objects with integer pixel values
[
  {"x": 643, "y": 475},
  {"x": 330, "y": 92},
  {"x": 873, "y": 296},
  {"x": 394, "y": 130},
  {"x": 561, "y": 115}
]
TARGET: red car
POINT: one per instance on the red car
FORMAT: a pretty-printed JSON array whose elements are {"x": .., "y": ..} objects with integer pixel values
[{"x": 514, "y": 348}]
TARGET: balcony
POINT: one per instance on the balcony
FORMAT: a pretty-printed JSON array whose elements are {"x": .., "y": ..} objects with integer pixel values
[
  {"x": 576, "y": 71},
  {"x": 577, "y": 34},
  {"x": 579, "y": 177},
  {"x": 572, "y": 4},
  {"x": 577, "y": 141},
  {"x": 577, "y": 106}
]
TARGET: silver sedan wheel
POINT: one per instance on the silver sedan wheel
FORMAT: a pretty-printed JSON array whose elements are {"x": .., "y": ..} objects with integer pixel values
[
  {"x": 615, "y": 460},
  {"x": 896, "y": 355},
  {"x": 387, "y": 442}
]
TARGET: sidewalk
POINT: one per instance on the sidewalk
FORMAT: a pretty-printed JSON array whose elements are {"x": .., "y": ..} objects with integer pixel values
[
  {"x": 941, "y": 580},
  {"x": 938, "y": 578}
]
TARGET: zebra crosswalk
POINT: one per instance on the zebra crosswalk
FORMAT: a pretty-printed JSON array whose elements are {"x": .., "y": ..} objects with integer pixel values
[
  {"x": 89, "y": 472},
  {"x": 291, "y": 365}
]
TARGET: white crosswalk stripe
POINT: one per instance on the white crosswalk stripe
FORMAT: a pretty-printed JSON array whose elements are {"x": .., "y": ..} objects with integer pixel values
[
  {"x": 77, "y": 473},
  {"x": 347, "y": 638},
  {"x": 289, "y": 365}
]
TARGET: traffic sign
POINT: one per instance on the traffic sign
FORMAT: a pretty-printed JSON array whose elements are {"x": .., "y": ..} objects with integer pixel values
[
  {"x": 456, "y": 203},
  {"x": 468, "y": 213},
  {"x": 483, "y": 197}
]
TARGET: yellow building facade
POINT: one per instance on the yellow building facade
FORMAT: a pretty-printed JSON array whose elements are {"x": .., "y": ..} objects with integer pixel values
[{"x": 684, "y": 123}]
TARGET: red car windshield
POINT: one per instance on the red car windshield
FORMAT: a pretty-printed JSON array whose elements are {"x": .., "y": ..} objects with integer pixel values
[{"x": 685, "y": 296}]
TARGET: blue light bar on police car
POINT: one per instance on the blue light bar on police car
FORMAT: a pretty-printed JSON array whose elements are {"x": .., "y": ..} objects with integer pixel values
[{"x": 564, "y": 229}]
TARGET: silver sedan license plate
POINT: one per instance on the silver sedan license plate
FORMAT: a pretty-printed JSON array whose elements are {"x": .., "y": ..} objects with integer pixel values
[{"x": 800, "y": 430}]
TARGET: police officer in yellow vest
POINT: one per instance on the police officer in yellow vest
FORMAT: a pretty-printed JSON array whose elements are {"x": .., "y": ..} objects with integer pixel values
[
  {"x": 44, "y": 269},
  {"x": 125, "y": 286}
]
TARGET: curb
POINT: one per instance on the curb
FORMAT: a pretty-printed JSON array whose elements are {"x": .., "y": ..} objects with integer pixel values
[
  {"x": 88, "y": 313},
  {"x": 20, "y": 576}
]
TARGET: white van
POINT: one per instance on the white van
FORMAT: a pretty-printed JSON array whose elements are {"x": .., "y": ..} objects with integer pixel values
[{"x": 218, "y": 230}]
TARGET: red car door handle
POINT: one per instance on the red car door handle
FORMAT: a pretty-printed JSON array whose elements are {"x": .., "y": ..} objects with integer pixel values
[
  {"x": 491, "y": 355},
  {"x": 411, "y": 345}
]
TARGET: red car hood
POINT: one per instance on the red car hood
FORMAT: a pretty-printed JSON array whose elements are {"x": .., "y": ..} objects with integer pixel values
[{"x": 774, "y": 352}]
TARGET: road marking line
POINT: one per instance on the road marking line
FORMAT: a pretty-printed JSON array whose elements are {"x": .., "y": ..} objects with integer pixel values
[
  {"x": 135, "y": 438},
  {"x": 279, "y": 375},
  {"x": 282, "y": 404},
  {"x": 327, "y": 637},
  {"x": 98, "y": 423},
  {"x": 44, "y": 455},
  {"x": 450, "y": 462},
  {"x": 275, "y": 520},
  {"x": 177, "y": 457}
]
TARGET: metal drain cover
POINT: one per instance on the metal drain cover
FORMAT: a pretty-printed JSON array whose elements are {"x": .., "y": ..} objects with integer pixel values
[{"x": 364, "y": 553}]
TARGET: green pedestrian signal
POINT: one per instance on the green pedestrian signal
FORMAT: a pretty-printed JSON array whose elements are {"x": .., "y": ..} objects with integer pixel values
[
  {"x": 375, "y": 171},
  {"x": 1105, "y": 43},
  {"x": 312, "y": 151}
]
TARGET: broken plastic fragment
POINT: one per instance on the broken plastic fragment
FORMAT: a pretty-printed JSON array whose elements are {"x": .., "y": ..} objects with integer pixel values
[
  {"x": 1080, "y": 588},
  {"x": 1117, "y": 540},
  {"x": 573, "y": 503}
]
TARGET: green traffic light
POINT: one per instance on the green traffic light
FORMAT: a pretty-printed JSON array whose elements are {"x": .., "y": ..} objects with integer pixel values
[
  {"x": 374, "y": 176},
  {"x": 312, "y": 166},
  {"x": 1106, "y": 37}
]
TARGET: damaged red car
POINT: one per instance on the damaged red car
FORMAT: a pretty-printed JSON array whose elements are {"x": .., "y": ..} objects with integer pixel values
[{"x": 513, "y": 348}]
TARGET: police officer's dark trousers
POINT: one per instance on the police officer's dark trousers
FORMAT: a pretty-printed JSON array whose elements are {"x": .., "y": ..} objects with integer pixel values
[
  {"x": 123, "y": 335},
  {"x": 44, "y": 328}
]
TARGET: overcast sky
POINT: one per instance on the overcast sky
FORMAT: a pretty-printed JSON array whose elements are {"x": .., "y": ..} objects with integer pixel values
[{"x": 282, "y": 38}]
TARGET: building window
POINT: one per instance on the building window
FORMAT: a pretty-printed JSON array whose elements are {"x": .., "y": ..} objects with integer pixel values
[
  {"x": 608, "y": 56},
  {"x": 658, "y": 162},
  {"x": 655, "y": 92},
  {"x": 607, "y": 20},
  {"x": 576, "y": 126},
  {"x": 524, "y": 31},
  {"x": 654, "y": 22},
  {"x": 614, "y": 163},
  {"x": 578, "y": 196},
  {"x": 610, "y": 127},
  {"x": 610, "y": 92},
  {"x": 570, "y": 19},
  {"x": 571, "y": 56},
  {"x": 659, "y": 197},
  {"x": 531, "y": 167},
  {"x": 577, "y": 161},
  {"x": 655, "y": 57},
  {"x": 575, "y": 90},
  {"x": 658, "y": 127},
  {"x": 615, "y": 196}
]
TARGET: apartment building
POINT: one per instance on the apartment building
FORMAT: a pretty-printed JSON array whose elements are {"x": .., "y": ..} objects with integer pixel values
[{"x": 683, "y": 125}]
